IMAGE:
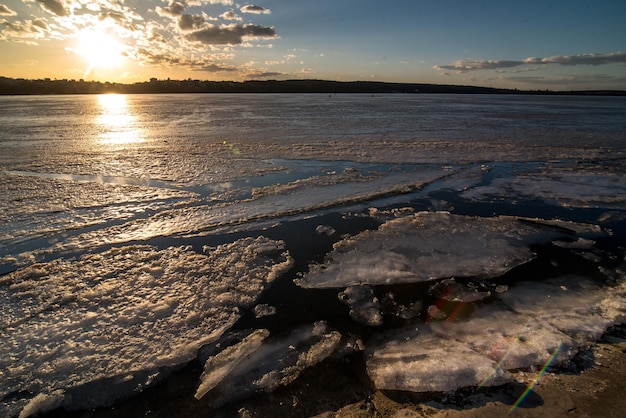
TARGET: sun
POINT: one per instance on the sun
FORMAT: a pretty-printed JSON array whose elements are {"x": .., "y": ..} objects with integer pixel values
[{"x": 100, "y": 49}]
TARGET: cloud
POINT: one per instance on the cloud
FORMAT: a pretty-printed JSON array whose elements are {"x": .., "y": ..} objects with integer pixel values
[
  {"x": 464, "y": 66},
  {"x": 25, "y": 32},
  {"x": 583, "y": 59},
  {"x": 57, "y": 7},
  {"x": 258, "y": 10},
  {"x": 230, "y": 15},
  {"x": 230, "y": 34},
  {"x": 190, "y": 22},
  {"x": 5, "y": 11},
  {"x": 174, "y": 9}
]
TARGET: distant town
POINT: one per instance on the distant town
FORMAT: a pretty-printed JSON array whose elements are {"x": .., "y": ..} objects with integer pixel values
[{"x": 19, "y": 86}]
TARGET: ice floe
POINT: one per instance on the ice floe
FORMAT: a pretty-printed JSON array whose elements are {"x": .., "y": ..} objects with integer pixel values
[
  {"x": 82, "y": 333},
  {"x": 261, "y": 364},
  {"x": 419, "y": 360},
  {"x": 535, "y": 325},
  {"x": 435, "y": 245}
]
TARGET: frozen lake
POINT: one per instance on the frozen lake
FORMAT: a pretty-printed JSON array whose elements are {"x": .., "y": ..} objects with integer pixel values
[{"x": 433, "y": 241}]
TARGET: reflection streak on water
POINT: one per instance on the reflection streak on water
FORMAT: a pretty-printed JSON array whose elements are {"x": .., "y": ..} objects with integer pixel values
[{"x": 118, "y": 126}]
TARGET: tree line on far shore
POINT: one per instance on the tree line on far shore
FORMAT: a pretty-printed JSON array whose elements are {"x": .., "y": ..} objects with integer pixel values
[{"x": 19, "y": 86}]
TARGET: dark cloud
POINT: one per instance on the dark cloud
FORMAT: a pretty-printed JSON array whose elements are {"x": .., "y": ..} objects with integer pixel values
[
  {"x": 56, "y": 7},
  {"x": 464, "y": 66},
  {"x": 583, "y": 59},
  {"x": 174, "y": 9},
  {"x": 162, "y": 59},
  {"x": 40, "y": 23},
  {"x": 230, "y": 35},
  {"x": 258, "y": 10},
  {"x": 28, "y": 27},
  {"x": 189, "y": 22},
  {"x": 5, "y": 11},
  {"x": 471, "y": 65}
]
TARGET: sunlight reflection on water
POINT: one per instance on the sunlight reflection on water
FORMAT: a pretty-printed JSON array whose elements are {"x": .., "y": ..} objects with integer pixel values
[{"x": 118, "y": 126}]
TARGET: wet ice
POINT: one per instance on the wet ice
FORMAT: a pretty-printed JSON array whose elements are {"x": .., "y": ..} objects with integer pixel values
[
  {"x": 102, "y": 317},
  {"x": 430, "y": 246}
]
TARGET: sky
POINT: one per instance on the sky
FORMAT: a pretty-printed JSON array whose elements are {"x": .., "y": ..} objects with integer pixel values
[{"x": 545, "y": 44}]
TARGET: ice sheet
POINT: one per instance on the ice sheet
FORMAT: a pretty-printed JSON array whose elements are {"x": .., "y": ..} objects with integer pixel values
[
  {"x": 193, "y": 220},
  {"x": 434, "y": 245},
  {"x": 119, "y": 319},
  {"x": 38, "y": 206},
  {"x": 559, "y": 186}
]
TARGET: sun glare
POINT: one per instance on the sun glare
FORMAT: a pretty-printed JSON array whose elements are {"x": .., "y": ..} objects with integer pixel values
[
  {"x": 100, "y": 49},
  {"x": 118, "y": 126}
]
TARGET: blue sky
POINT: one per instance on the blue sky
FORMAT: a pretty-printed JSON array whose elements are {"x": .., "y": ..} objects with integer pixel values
[{"x": 545, "y": 44}]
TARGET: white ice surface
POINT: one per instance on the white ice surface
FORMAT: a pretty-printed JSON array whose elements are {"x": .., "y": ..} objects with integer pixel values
[
  {"x": 536, "y": 324},
  {"x": 560, "y": 187},
  {"x": 37, "y": 206},
  {"x": 194, "y": 220},
  {"x": 85, "y": 332},
  {"x": 261, "y": 368},
  {"x": 434, "y": 245},
  {"x": 419, "y": 360}
]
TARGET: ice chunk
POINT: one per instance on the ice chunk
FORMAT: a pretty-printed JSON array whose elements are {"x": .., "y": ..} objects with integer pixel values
[
  {"x": 219, "y": 366},
  {"x": 118, "y": 319},
  {"x": 264, "y": 310},
  {"x": 449, "y": 290},
  {"x": 364, "y": 306},
  {"x": 575, "y": 305},
  {"x": 432, "y": 245},
  {"x": 512, "y": 340},
  {"x": 325, "y": 229},
  {"x": 277, "y": 362},
  {"x": 422, "y": 361}
]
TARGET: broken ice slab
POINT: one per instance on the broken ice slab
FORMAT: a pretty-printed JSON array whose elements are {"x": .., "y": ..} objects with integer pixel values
[
  {"x": 364, "y": 306},
  {"x": 419, "y": 360},
  {"x": 512, "y": 340},
  {"x": 260, "y": 364},
  {"x": 536, "y": 325},
  {"x": 122, "y": 318},
  {"x": 434, "y": 245},
  {"x": 576, "y": 305},
  {"x": 219, "y": 366}
]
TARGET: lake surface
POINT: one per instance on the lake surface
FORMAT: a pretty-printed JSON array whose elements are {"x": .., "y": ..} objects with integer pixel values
[{"x": 145, "y": 234}]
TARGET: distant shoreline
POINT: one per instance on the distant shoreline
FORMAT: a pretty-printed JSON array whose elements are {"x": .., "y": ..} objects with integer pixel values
[{"x": 12, "y": 86}]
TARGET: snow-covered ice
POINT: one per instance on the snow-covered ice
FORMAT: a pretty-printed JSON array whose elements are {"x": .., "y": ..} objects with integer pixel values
[
  {"x": 120, "y": 319},
  {"x": 434, "y": 245}
]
